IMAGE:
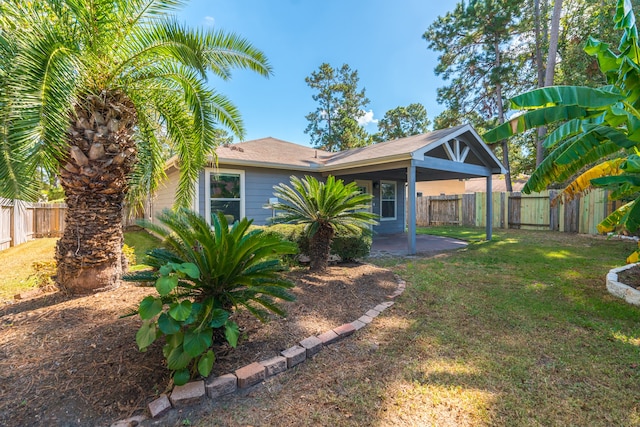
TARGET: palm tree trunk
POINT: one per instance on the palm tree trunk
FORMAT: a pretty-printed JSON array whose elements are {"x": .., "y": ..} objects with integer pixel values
[
  {"x": 319, "y": 248},
  {"x": 94, "y": 177}
]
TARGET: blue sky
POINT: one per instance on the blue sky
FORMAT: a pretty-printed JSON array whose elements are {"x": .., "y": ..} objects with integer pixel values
[{"x": 382, "y": 40}]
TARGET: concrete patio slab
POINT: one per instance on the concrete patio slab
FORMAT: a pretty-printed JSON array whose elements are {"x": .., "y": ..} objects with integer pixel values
[{"x": 396, "y": 244}]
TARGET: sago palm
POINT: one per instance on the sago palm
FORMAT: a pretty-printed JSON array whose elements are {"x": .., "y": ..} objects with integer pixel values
[
  {"x": 323, "y": 207},
  {"x": 202, "y": 273},
  {"x": 597, "y": 127},
  {"x": 99, "y": 91}
]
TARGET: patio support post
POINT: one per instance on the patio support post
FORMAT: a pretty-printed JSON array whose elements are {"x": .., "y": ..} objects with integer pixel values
[
  {"x": 489, "y": 225},
  {"x": 411, "y": 209}
]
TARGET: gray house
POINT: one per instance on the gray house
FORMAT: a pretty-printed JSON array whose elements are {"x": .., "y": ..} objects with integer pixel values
[{"x": 242, "y": 182}]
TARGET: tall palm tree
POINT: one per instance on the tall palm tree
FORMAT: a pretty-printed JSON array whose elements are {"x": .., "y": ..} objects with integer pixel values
[
  {"x": 323, "y": 207},
  {"x": 97, "y": 91}
]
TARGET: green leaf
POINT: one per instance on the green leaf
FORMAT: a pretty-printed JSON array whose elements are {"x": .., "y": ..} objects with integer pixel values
[
  {"x": 196, "y": 307},
  {"x": 150, "y": 307},
  {"x": 205, "y": 364},
  {"x": 181, "y": 377},
  {"x": 146, "y": 335},
  {"x": 174, "y": 340},
  {"x": 178, "y": 359},
  {"x": 608, "y": 181},
  {"x": 181, "y": 311},
  {"x": 196, "y": 342},
  {"x": 218, "y": 318},
  {"x": 632, "y": 164},
  {"x": 166, "y": 284},
  {"x": 166, "y": 269},
  {"x": 607, "y": 60},
  {"x": 167, "y": 324},
  {"x": 631, "y": 219},
  {"x": 189, "y": 269},
  {"x": 581, "y": 96},
  {"x": 232, "y": 333},
  {"x": 610, "y": 222},
  {"x": 534, "y": 118}
]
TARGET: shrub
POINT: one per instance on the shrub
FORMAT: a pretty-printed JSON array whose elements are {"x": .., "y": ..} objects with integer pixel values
[
  {"x": 348, "y": 245},
  {"x": 324, "y": 208},
  {"x": 202, "y": 274}
]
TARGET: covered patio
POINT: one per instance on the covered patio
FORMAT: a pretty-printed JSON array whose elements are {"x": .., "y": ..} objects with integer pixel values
[
  {"x": 396, "y": 244},
  {"x": 454, "y": 153}
]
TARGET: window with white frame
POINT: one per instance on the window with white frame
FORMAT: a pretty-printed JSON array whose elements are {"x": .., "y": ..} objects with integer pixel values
[
  {"x": 226, "y": 190},
  {"x": 388, "y": 192}
]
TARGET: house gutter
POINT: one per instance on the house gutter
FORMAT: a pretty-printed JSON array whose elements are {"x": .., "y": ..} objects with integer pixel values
[
  {"x": 260, "y": 164},
  {"x": 367, "y": 162}
]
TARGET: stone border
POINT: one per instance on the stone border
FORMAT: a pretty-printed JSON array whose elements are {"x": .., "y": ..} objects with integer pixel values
[
  {"x": 255, "y": 373},
  {"x": 619, "y": 289}
]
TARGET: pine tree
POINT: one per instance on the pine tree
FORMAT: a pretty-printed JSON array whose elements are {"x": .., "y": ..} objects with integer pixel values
[
  {"x": 402, "y": 122},
  {"x": 476, "y": 44},
  {"x": 334, "y": 126}
]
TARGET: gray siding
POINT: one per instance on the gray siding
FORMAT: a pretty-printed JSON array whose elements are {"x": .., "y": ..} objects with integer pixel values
[
  {"x": 258, "y": 188},
  {"x": 259, "y": 185},
  {"x": 392, "y": 226}
]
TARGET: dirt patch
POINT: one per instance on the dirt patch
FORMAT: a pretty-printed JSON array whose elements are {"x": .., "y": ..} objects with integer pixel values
[
  {"x": 630, "y": 277},
  {"x": 74, "y": 361}
]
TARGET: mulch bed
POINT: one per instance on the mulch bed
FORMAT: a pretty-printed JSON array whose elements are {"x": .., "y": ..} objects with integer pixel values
[
  {"x": 630, "y": 277},
  {"x": 74, "y": 361}
]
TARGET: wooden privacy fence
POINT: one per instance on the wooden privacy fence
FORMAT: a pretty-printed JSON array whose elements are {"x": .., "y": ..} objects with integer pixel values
[
  {"x": 23, "y": 221},
  {"x": 516, "y": 210}
]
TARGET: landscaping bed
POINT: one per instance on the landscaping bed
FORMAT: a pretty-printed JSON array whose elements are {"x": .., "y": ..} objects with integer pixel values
[
  {"x": 631, "y": 277},
  {"x": 74, "y": 361}
]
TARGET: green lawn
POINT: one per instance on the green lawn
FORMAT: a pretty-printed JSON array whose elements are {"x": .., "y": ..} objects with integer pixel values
[
  {"x": 141, "y": 242},
  {"x": 519, "y": 331},
  {"x": 16, "y": 266},
  {"x": 470, "y": 234},
  {"x": 16, "y": 263}
]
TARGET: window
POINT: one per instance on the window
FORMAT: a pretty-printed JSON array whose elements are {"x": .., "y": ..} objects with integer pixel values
[
  {"x": 388, "y": 191},
  {"x": 225, "y": 190}
]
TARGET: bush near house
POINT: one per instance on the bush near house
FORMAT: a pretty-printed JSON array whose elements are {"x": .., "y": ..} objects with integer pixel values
[
  {"x": 324, "y": 208},
  {"x": 348, "y": 245}
]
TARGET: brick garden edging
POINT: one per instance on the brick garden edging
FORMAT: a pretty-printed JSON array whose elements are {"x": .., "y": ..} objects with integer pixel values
[{"x": 255, "y": 373}]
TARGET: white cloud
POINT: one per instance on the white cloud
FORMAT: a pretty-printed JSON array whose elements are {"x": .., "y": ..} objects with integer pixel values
[
  {"x": 209, "y": 20},
  {"x": 367, "y": 119}
]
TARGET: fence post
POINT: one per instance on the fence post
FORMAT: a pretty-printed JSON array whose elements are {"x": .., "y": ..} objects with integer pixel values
[{"x": 19, "y": 232}]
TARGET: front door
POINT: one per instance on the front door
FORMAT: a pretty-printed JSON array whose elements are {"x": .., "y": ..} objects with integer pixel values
[{"x": 366, "y": 186}]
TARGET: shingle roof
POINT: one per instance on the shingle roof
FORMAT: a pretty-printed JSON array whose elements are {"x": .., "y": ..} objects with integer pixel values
[
  {"x": 389, "y": 148},
  {"x": 276, "y": 153},
  {"x": 272, "y": 151}
]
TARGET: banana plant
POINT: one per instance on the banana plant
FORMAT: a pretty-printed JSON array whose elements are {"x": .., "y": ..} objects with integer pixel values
[{"x": 595, "y": 127}]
